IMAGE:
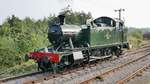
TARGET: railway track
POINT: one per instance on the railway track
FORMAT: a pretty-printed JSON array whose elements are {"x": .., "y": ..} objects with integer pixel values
[
  {"x": 40, "y": 77},
  {"x": 111, "y": 74},
  {"x": 7, "y": 79},
  {"x": 134, "y": 74},
  {"x": 141, "y": 77}
]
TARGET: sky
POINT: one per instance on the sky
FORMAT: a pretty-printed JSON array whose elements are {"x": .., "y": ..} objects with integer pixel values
[{"x": 136, "y": 14}]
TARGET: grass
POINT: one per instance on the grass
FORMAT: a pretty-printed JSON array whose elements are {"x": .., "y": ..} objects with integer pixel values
[{"x": 26, "y": 67}]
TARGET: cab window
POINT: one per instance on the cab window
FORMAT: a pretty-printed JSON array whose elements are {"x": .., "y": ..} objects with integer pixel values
[{"x": 105, "y": 22}]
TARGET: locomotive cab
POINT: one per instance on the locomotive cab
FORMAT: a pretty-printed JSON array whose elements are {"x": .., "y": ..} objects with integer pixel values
[
  {"x": 104, "y": 22},
  {"x": 119, "y": 25}
]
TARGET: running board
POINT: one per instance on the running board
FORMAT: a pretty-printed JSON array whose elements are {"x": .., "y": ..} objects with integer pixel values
[
  {"x": 102, "y": 57},
  {"x": 92, "y": 60}
]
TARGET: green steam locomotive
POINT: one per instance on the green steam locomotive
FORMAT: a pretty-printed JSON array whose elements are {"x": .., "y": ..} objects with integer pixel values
[{"x": 79, "y": 44}]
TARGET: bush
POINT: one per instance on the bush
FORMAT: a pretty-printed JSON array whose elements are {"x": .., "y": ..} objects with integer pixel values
[
  {"x": 135, "y": 38},
  {"x": 8, "y": 58}
]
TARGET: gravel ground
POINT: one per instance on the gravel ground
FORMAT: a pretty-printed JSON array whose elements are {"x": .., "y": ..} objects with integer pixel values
[
  {"x": 124, "y": 72},
  {"x": 144, "y": 79}
]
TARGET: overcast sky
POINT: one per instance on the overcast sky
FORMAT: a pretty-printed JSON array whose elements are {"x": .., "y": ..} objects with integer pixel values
[{"x": 136, "y": 14}]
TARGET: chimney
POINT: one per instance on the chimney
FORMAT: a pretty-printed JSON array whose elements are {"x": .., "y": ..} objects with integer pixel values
[{"x": 61, "y": 19}]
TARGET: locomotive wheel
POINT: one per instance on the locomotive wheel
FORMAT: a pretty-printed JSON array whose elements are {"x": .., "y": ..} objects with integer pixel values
[
  {"x": 118, "y": 52},
  {"x": 87, "y": 56},
  {"x": 44, "y": 64},
  {"x": 107, "y": 52}
]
